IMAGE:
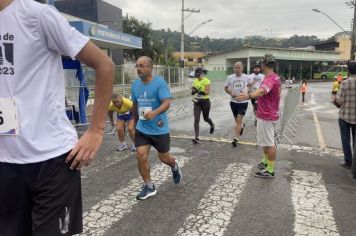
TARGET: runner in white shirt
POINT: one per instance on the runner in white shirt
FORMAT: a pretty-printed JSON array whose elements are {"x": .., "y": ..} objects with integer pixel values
[
  {"x": 257, "y": 78},
  {"x": 40, "y": 155},
  {"x": 235, "y": 85}
]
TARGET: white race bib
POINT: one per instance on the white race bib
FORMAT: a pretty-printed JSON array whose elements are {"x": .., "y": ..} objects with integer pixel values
[
  {"x": 141, "y": 112},
  {"x": 9, "y": 124},
  {"x": 239, "y": 87}
]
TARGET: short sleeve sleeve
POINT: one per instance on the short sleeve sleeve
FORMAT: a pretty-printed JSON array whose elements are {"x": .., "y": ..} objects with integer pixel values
[
  {"x": 227, "y": 82},
  {"x": 267, "y": 86},
  {"x": 111, "y": 107},
  {"x": 133, "y": 95},
  {"x": 341, "y": 93},
  {"x": 163, "y": 91},
  {"x": 58, "y": 35}
]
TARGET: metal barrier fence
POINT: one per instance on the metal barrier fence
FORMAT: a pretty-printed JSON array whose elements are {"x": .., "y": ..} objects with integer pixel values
[
  {"x": 124, "y": 77},
  {"x": 290, "y": 117}
]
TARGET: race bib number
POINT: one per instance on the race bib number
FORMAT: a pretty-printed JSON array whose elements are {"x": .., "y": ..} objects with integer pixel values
[
  {"x": 142, "y": 111},
  {"x": 9, "y": 124},
  {"x": 239, "y": 87}
]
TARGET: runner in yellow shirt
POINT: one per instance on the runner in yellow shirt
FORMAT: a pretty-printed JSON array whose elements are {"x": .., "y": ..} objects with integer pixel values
[
  {"x": 336, "y": 87},
  {"x": 122, "y": 106},
  {"x": 200, "y": 92}
]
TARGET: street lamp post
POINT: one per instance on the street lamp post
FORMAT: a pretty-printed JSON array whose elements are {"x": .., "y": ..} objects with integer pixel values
[
  {"x": 198, "y": 26},
  {"x": 318, "y": 11},
  {"x": 181, "y": 62},
  {"x": 352, "y": 50}
]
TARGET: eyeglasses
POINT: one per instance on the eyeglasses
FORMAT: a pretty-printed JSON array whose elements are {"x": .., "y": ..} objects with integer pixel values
[{"x": 141, "y": 66}]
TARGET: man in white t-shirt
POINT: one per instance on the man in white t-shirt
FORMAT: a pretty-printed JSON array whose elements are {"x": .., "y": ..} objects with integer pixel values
[
  {"x": 257, "y": 78},
  {"x": 235, "y": 85},
  {"x": 40, "y": 155}
]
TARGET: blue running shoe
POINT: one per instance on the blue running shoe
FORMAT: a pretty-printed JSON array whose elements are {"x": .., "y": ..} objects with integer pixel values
[
  {"x": 146, "y": 192},
  {"x": 177, "y": 174}
]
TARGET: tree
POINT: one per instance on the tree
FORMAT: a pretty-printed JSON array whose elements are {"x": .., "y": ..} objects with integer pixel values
[{"x": 150, "y": 48}]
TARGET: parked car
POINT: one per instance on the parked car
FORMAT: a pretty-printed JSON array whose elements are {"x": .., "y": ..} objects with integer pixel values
[
  {"x": 191, "y": 74},
  {"x": 332, "y": 72}
]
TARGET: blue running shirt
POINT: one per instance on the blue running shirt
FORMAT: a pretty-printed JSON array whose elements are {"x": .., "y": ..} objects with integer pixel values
[{"x": 148, "y": 97}]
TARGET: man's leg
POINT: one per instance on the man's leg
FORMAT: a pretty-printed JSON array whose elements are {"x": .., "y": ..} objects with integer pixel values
[
  {"x": 238, "y": 126},
  {"x": 120, "y": 124},
  {"x": 15, "y": 200},
  {"x": 131, "y": 130},
  {"x": 57, "y": 199},
  {"x": 143, "y": 146},
  {"x": 265, "y": 139},
  {"x": 143, "y": 163},
  {"x": 345, "y": 129},
  {"x": 167, "y": 159},
  {"x": 271, "y": 157}
]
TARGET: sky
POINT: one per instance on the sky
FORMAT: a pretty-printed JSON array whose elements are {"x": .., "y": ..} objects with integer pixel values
[{"x": 241, "y": 18}]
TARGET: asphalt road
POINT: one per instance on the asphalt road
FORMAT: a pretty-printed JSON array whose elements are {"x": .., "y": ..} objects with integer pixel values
[{"x": 310, "y": 194}]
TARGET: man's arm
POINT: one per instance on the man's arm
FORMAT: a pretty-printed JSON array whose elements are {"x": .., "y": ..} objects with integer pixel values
[
  {"x": 84, "y": 151},
  {"x": 251, "y": 95},
  {"x": 340, "y": 96},
  {"x": 111, "y": 117},
  {"x": 166, "y": 103},
  {"x": 227, "y": 90},
  {"x": 134, "y": 112}
]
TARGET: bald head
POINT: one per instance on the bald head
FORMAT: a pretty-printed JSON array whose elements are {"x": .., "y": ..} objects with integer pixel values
[
  {"x": 144, "y": 67},
  {"x": 146, "y": 60},
  {"x": 238, "y": 68}
]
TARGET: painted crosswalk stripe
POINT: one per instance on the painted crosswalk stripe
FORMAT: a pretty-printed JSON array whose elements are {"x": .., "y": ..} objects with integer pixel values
[
  {"x": 214, "y": 211},
  {"x": 111, "y": 209},
  {"x": 313, "y": 213}
]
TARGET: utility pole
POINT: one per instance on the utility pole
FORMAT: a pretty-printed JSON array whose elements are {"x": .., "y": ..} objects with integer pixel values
[
  {"x": 352, "y": 4},
  {"x": 181, "y": 62},
  {"x": 165, "y": 49}
]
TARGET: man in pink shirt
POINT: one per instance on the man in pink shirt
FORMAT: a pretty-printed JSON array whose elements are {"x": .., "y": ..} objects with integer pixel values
[{"x": 268, "y": 96}]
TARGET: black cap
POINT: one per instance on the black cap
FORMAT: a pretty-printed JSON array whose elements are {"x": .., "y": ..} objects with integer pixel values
[{"x": 198, "y": 71}]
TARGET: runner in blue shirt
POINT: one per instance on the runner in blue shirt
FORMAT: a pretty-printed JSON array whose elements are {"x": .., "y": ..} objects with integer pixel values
[{"x": 151, "y": 100}]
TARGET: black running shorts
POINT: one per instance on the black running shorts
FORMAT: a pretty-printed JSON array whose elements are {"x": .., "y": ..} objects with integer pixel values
[
  {"x": 238, "y": 108},
  {"x": 253, "y": 102},
  {"x": 40, "y": 199},
  {"x": 160, "y": 142}
]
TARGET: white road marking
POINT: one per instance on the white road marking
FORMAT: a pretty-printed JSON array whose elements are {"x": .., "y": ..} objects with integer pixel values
[
  {"x": 318, "y": 131},
  {"x": 113, "y": 208},
  {"x": 316, "y": 108},
  {"x": 213, "y": 213},
  {"x": 313, "y": 213},
  {"x": 312, "y": 99}
]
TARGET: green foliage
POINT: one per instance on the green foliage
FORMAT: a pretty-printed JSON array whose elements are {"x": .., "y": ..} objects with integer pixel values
[
  {"x": 153, "y": 44},
  {"x": 219, "y": 45}
]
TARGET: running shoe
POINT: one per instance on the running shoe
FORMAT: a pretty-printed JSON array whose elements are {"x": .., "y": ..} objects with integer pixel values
[
  {"x": 242, "y": 129},
  {"x": 177, "y": 174},
  {"x": 146, "y": 192},
  {"x": 261, "y": 166},
  {"x": 234, "y": 142},
  {"x": 264, "y": 174},
  {"x": 133, "y": 148},
  {"x": 196, "y": 140},
  {"x": 212, "y": 128},
  {"x": 121, "y": 147}
]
